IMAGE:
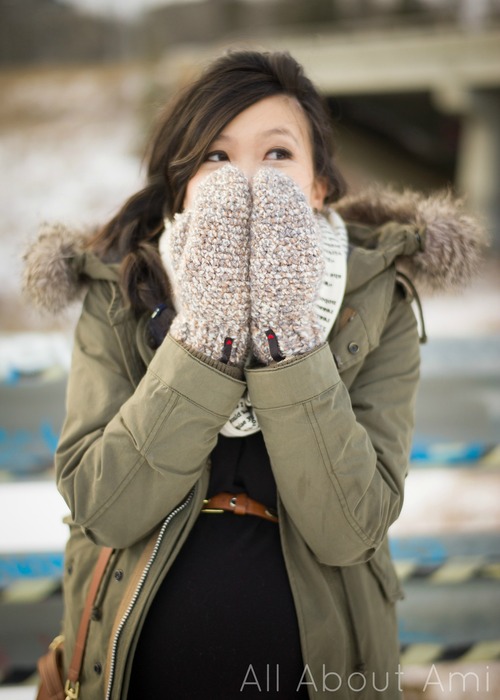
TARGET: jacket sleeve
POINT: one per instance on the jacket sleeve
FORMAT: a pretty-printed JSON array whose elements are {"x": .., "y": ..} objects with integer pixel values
[
  {"x": 127, "y": 457},
  {"x": 340, "y": 458}
]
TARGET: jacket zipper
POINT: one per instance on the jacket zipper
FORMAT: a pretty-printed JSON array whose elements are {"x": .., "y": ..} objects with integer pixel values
[{"x": 139, "y": 587}]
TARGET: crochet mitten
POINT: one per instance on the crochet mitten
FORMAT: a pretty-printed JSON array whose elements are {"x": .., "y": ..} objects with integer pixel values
[
  {"x": 209, "y": 247},
  {"x": 286, "y": 269}
]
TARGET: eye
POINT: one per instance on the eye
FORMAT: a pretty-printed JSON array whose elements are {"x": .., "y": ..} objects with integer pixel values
[
  {"x": 216, "y": 156},
  {"x": 278, "y": 154}
]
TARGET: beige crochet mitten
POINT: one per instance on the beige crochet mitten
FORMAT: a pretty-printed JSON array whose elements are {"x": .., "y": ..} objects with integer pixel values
[
  {"x": 286, "y": 269},
  {"x": 209, "y": 253}
]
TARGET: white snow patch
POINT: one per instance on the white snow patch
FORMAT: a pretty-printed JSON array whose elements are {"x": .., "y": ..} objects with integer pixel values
[
  {"x": 31, "y": 516},
  {"x": 30, "y": 353}
]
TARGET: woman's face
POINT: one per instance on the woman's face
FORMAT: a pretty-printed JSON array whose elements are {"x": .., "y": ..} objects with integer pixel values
[{"x": 273, "y": 132}]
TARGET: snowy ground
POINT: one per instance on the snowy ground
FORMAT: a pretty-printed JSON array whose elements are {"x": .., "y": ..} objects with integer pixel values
[{"x": 70, "y": 145}]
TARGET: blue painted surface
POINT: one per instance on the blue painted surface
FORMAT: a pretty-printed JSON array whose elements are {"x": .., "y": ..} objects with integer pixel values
[
  {"x": 408, "y": 635},
  {"x": 425, "y": 550},
  {"x": 30, "y": 566},
  {"x": 436, "y": 550},
  {"x": 13, "y": 376},
  {"x": 448, "y": 454},
  {"x": 49, "y": 435},
  {"x": 31, "y": 416},
  {"x": 24, "y": 450},
  {"x": 450, "y": 615}
]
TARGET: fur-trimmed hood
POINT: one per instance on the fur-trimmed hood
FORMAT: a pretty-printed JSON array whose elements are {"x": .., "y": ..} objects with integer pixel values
[
  {"x": 452, "y": 242},
  {"x": 431, "y": 239}
]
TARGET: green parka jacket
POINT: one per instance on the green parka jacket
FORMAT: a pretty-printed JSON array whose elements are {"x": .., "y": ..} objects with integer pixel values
[{"x": 133, "y": 458}]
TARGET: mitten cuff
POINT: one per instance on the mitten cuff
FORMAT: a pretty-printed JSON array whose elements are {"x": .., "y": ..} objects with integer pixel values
[
  {"x": 274, "y": 344},
  {"x": 226, "y": 346}
]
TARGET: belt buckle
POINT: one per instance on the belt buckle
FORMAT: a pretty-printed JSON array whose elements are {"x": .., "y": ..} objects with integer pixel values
[{"x": 211, "y": 510}]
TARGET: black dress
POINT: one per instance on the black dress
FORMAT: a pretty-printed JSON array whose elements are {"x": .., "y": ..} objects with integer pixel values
[{"x": 223, "y": 623}]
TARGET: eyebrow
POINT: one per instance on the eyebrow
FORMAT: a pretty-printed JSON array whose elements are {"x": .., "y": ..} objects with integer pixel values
[{"x": 278, "y": 130}]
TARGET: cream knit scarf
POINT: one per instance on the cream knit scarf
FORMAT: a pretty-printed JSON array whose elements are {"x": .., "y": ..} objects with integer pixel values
[{"x": 334, "y": 243}]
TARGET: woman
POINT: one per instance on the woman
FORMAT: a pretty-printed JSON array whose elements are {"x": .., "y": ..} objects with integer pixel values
[{"x": 243, "y": 352}]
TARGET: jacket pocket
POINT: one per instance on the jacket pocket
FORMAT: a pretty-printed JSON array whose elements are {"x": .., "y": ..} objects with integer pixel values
[
  {"x": 350, "y": 343},
  {"x": 382, "y": 568}
]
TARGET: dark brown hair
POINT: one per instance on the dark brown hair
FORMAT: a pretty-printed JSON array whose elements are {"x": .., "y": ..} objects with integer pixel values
[{"x": 185, "y": 130}]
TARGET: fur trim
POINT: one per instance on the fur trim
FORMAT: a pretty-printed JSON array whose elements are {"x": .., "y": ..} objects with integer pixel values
[
  {"x": 50, "y": 281},
  {"x": 454, "y": 242}
]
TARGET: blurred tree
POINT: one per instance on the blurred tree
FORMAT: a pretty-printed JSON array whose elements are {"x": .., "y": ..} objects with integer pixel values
[{"x": 48, "y": 31}]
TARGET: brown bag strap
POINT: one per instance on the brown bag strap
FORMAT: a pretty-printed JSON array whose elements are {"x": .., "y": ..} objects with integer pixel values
[
  {"x": 81, "y": 638},
  {"x": 50, "y": 669}
]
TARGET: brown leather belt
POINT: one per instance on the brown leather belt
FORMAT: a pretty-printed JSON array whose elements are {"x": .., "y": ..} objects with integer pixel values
[{"x": 239, "y": 503}]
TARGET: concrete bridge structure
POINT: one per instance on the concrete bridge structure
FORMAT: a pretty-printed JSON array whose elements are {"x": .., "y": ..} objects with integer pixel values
[{"x": 459, "y": 69}]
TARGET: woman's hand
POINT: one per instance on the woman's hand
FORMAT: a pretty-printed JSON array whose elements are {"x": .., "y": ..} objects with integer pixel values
[
  {"x": 209, "y": 247},
  {"x": 286, "y": 268}
]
